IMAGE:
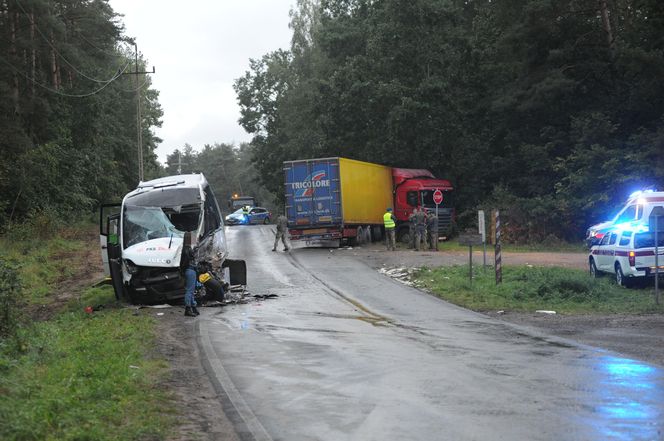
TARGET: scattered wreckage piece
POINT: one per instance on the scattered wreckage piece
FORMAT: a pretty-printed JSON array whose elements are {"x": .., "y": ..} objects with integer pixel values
[{"x": 400, "y": 274}]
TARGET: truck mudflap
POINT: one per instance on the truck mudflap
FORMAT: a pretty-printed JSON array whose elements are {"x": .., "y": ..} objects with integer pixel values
[{"x": 237, "y": 270}]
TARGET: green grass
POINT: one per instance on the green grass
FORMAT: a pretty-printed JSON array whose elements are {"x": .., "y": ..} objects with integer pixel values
[
  {"x": 526, "y": 288},
  {"x": 42, "y": 264},
  {"x": 77, "y": 376},
  {"x": 84, "y": 377}
]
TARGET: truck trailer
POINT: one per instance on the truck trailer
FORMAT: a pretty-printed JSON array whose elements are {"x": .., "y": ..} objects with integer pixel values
[{"x": 340, "y": 199}]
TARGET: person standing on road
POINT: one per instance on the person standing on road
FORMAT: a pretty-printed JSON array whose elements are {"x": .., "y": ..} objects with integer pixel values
[
  {"x": 188, "y": 267},
  {"x": 420, "y": 228},
  {"x": 245, "y": 213},
  {"x": 412, "y": 228},
  {"x": 390, "y": 225},
  {"x": 280, "y": 233},
  {"x": 432, "y": 230}
]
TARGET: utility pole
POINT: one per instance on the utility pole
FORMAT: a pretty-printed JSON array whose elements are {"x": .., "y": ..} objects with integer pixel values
[{"x": 139, "y": 129}]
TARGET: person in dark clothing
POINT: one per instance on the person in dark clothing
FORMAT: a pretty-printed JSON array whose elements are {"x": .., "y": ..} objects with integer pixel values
[{"x": 188, "y": 268}]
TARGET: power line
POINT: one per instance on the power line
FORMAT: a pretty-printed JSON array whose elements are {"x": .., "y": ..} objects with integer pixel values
[
  {"x": 70, "y": 95},
  {"x": 139, "y": 130},
  {"x": 103, "y": 51},
  {"x": 145, "y": 81},
  {"x": 56, "y": 50}
]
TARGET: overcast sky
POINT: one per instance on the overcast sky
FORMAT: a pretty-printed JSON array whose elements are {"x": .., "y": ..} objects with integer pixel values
[{"x": 198, "y": 49}]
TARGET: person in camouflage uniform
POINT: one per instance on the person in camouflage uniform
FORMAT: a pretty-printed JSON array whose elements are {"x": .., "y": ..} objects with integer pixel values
[
  {"x": 432, "y": 230},
  {"x": 420, "y": 228},
  {"x": 411, "y": 228},
  {"x": 281, "y": 232}
]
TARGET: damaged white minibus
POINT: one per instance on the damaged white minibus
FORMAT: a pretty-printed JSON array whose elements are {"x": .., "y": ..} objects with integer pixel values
[{"x": 142, "y": 239}]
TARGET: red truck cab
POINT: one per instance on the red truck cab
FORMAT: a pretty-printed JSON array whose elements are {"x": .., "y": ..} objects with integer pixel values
[{"x": 415, "y": 188}]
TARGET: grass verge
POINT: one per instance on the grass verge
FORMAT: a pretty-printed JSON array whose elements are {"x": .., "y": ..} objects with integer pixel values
[
  {"x": 527, "y": 288},
  {"x": 78, "y": 376}
]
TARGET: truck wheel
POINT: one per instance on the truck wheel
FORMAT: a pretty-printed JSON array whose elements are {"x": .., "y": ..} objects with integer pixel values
[
  {"x": 403, "y": 236},
  {"x": 593, "y": 269},
  {"x": 367, "y": 234},
  {"x": 359, "y": 236},
  {"x": 376, "y": 233}
]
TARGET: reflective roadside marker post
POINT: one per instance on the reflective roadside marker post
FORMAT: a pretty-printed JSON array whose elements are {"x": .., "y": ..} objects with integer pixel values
[
  {"x": 482, "y": 229},
  {"x": 498, "y": 257}
]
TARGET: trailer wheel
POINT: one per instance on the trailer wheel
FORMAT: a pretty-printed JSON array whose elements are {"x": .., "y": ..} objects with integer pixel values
[
  {"x": 376, "y": 233},
  {"x": 367, "y": 234},
  {"x": 359, "y": 236}
]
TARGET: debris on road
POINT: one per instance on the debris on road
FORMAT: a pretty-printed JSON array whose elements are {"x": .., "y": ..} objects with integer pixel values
[
  {"x": 400, "y": 274},
  {"x": 543, "y": 311},
  {"x": 237, "y": 294}
]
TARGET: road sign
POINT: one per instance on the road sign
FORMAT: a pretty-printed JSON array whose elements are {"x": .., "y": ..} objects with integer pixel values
[
  {"x": 437, "y": 197},
  {"x": 470, "y": 239}
]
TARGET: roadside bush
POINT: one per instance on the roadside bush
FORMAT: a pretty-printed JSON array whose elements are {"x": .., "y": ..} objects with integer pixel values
[
  {"x": 10, "y": 297},
  {"x": 533, "y": 220}
]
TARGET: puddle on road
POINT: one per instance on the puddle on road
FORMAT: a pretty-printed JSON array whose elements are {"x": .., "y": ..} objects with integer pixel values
[
  {"x": 631, "y": 397},
  {"x": 504, "y": 331}
]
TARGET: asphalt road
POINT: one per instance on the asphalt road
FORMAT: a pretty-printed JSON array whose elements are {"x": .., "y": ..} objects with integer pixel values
[{"x": 345, "y": 353}]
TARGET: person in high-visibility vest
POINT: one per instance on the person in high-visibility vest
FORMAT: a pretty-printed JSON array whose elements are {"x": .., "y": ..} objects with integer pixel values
[{"x": 390, "y": 226}]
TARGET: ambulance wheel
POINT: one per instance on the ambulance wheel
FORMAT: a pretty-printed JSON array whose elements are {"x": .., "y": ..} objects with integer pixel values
[
  {"x": 593, "y": 269},
  {"x": 621, "y": 280}
]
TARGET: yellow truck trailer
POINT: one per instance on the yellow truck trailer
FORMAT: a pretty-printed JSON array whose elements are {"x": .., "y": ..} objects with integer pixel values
[{"x": 339, "y": 198}]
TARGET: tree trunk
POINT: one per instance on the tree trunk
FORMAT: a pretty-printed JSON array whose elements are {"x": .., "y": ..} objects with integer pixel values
[
  {"x": 606, "y": 23},
  {"x": 33, "y": 57},
  {"x": 13, "y": 22}
]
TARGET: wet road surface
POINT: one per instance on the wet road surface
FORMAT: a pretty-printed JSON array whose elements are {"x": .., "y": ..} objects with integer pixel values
[{"x": 345, "y": 353}]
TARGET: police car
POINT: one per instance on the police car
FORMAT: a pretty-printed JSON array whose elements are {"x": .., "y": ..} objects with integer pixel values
[
  {"x": 255, "y": 215},
  {"x": 628, "y": 253},
  {"x": 636, "y": 209}
]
